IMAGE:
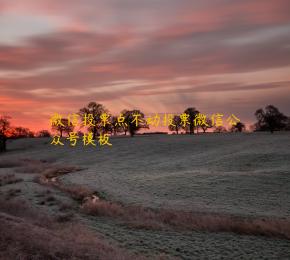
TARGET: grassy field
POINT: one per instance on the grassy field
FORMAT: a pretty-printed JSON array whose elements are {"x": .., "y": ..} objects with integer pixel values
[{"x": 190, "y": 197}]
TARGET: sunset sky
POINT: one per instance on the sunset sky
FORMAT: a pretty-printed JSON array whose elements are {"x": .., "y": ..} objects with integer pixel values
[{"x": 156, "y": 55}]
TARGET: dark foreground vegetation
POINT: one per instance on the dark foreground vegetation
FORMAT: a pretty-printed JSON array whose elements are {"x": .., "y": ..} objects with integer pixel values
[{"x": 27, "y": 234}]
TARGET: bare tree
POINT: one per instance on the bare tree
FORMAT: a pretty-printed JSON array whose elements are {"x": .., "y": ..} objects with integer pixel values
[
  {"x": 21, "y": 132},
  {"x": 192, "y": 112},
  {"x": 63, "y": 127},
  {"x": 287, "y": 128},
  {"x": 135, "y": 120},
  {"x": 220, "y": 129},
  {"x": 125, "y": 125},
  {"x": 115, "y": 126},
  {"x": 176, "y": 124},
  {"x": 4, "y": 130},
  {"x": 238, "y": 127},
  {"x": 95, "y": 110},
  {"x": 43, "y": 133},
  {"x": 206, "y": 126},
  {"x": 270, "y": 119}
]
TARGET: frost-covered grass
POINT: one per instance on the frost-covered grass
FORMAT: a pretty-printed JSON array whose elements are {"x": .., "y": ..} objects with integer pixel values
[
  {"x": 233, "y": 173},
  {"x": 27, "y": 234},
  {"x": 238, "y": 174}
]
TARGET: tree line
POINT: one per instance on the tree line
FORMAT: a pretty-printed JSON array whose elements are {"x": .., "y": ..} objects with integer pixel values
[{"x": 268, "y": 119}]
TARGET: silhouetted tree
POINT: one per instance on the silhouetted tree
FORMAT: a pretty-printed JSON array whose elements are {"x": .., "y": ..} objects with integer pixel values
[
  {"x": 43, "y": 133},
  {"x": 115, "y": 126},
  {"x": 192, "y": 112},
  {"x": 80, "y": 133},
  {"x": 4, "y": 130},
  {"x": 270, "y": 119},
  {"x": 64, "y": 127},
  {"x": 207, "y": 126},
  {"x": 176, "y": 124},
  {"x": 21, "y": 132},
  {"x": 220, "y": 129},
  {"x": 125, "y": 126},
  {"x": 239, "y": 127},
  {"x": 96, "y": 110},
  {"x": 107, "y": 128},
  {"x": 134, "y": 122},
  {"x": 287, "y": 127}
]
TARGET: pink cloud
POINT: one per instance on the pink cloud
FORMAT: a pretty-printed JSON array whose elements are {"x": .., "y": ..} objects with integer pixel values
[{"x": 156, "y": 43}]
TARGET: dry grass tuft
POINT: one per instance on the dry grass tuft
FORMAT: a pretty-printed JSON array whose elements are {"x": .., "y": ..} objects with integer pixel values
[
  {"x": 32, "y": 167},
  {"x": 76, "y": 192},
  {"x": 103, "y": 208},
  {"x": 24, "y": 236},
  {"x": 145, "y": 218},
  {"x": 141, "y": 217},
  {"x": 66, "y": 206},
  {"x": 9, "y": 179},
  {"x": 7, "y": 163},
  {"x": 11, "y": 193},
  {"x": 67, "y": 217}
]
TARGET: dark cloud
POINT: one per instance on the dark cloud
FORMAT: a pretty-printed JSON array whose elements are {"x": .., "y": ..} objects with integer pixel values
[{"x": 54, "y": 48}]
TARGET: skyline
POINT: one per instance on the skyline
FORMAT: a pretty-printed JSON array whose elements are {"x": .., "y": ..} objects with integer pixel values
[{"x": 157, "y": 56}]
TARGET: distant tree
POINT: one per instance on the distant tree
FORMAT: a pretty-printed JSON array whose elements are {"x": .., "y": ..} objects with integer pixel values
[
  {"x": 207, "y": 126},
  {"x": 21, "y": 132},
  {"x": 135, "y": 120},
  {"x": 239, "y": 127},
  {"x": 252, "y": 128},
  {"x": 220, "y": 129},
  {"x": 125, "y": 127},
  {"x": 64, "y": 127},
  {"x": 43, "y": 133},
  {"x": 176, "y": 124},
  {"x": 107, "y": 128},
  {"x": 96, "y": 110},
  {"x": 287, "y": 127},
  {"x": 115, "y": 126},
  {"x": 4, "y": 131},
  {"x": 80, "y": 133},
  {"x": 270, "y": 119},
  {"x": 192, "y": 112}
]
